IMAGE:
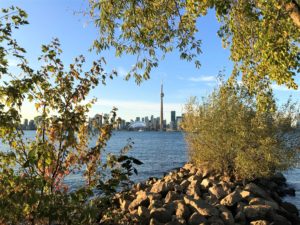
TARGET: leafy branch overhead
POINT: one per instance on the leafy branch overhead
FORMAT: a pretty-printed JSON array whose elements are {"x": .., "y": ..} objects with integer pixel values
[{"x": 263, "y": 36}]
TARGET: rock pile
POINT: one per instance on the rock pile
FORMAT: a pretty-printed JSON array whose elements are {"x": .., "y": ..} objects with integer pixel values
[{"x": 195, "y": 196}]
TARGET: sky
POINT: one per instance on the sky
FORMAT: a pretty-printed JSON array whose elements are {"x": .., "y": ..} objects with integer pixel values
[{"x": 61, "y": 19}]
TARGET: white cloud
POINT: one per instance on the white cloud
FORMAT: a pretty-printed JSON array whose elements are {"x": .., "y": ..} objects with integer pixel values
[{"x": 202, "y": 79}]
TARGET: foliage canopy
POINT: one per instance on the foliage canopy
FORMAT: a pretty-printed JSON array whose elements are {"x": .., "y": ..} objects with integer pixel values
[{"x": 263, "y": 36}]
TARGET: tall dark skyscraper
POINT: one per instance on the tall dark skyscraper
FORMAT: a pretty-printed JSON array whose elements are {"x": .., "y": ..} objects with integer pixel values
[
  {"x": 173, "y": 116},
  {"x": 161, "y": 108}
]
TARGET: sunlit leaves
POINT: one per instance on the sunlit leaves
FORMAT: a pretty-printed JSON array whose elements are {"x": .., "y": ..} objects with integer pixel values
[
  {"x": 262, "y": 36},
  {"x": 228, "y": 132}
]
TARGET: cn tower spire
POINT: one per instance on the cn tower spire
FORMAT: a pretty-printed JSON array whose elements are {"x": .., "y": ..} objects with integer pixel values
[{"x": 161, "y": 108}]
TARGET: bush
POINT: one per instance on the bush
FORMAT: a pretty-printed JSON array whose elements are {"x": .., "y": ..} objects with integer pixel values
[{"x": 226, "y": 132}]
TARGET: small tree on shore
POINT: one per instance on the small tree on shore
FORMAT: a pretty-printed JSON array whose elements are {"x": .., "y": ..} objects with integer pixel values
[
  {"x": 32, "y": 172},
  {"x": 227, "y": 132}
]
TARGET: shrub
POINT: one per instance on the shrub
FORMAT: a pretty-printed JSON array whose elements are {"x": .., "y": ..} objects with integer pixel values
[{"x": 227, "y": 132}]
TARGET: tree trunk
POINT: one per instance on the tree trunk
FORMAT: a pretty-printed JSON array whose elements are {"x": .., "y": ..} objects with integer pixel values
[{"x": 293, "y": 9}]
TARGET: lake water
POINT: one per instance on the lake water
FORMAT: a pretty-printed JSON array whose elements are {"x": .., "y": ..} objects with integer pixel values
[{"x": 161, "y": 152}]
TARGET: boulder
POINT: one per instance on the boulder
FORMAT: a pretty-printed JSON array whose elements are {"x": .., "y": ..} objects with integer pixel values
[
  {"x": 260, "y": 201},
  {"x": 196, "y": 219},
  {"x": 155, "y": 204},
  {"x": 280, "y": 220},
  {"x": 175, "y": 222},
  {"x": 227, "y": 218},
  {"x": 155, "y": 222},
  {"x": 257, "y": 191},
  {"x": 161, "y": 187},
  {"x": 240, "y": 217},
  {"x": 144, "y": 214},
  {"x": 182, "y": 211},
  {"x": 258, "y": 212},
  {"x": 184, "y": 184},
  {"x": 279, "y": 178},
  {"x": 161, "y": 215},
  {"x": 201, "y": 206},
  {"x": 218, "y": 191},
  {"x": 215, "y": 220},
  {"x": 226, "y": 214},
  {"x": 154, "y": 196},
  {"x": 206, "y": 183},
  {"x": 141, "y": 200},
  {"x": 194, "y": 188},
  {"x": 291, "y": 208},
  {"x": 172, "y": 196},
  {"x": 259, "y": 222},
  {"x": 232, "y": 198}
]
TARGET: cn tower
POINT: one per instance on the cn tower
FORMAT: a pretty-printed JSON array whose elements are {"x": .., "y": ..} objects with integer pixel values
[{"x": 161, "y": 108}]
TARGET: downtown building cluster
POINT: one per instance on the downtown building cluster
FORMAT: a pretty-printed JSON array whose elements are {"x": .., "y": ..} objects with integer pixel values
[{"x": 142, "y": 123}]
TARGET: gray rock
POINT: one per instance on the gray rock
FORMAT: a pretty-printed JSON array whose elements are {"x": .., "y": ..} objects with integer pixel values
[
  {"x": 161, "y": 215},
  {"x": 155, "y": 222},
  {"x": 257, "y": 191},
  {"x": 172, "y": 196},
  {"x": 196, "y": 219},
  {"x": 194, "y": 189},
  {"x": 182, "y": 211},
  {"x": 201, "y": 206},
  {"x": 290, "y": 208},
  {"x": 245, "y": 194},
  {"x": 184, "y": 184},
  {"x": 162, "y": 187},
  {"x": 232, "y": 198},
  {"x": 257, "y": 212},
  {"x": 155, "y": 204},
  {"x": 240, "y": 217},
  {"x": 227, "y": 218},
  {"x": 143, "y": 212},
  {"x": 215, "y": 220},
  {"x": 154, "y": 196},
  {"x": 206, "y": 183},
  {"x": 176, "y": 221},
  {"x": 280, "y": 220},
  {"x": 178, "y": 188},
  {"x": 218, "y": 191},
  {"x": 259, "y": 222},
  {"x": 141, "y": 200},
  {"x": 260, "y": 201}
]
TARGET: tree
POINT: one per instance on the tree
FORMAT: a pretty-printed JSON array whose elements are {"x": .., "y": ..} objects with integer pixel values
[
  {"x": 263, "y": 36},
  {"x": 32, "y": 172},
  {"x": 228, "y": 133}
]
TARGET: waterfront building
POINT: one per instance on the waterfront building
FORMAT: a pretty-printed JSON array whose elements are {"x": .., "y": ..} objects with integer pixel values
[
  {"x": 173, "y": 121},
  {"x": 178, "y": 122}
]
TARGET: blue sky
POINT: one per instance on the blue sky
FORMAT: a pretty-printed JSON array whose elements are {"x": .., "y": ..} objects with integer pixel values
[{"x": 57, "y": 18}]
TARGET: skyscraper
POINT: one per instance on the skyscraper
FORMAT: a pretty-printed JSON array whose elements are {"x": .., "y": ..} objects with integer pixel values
[
  {"x": 161, "y": 108},
  {"x": 173, "y": 116}
]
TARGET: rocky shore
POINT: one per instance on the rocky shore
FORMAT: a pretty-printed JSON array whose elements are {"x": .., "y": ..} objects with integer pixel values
[{"x": 195, "y": 196}]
